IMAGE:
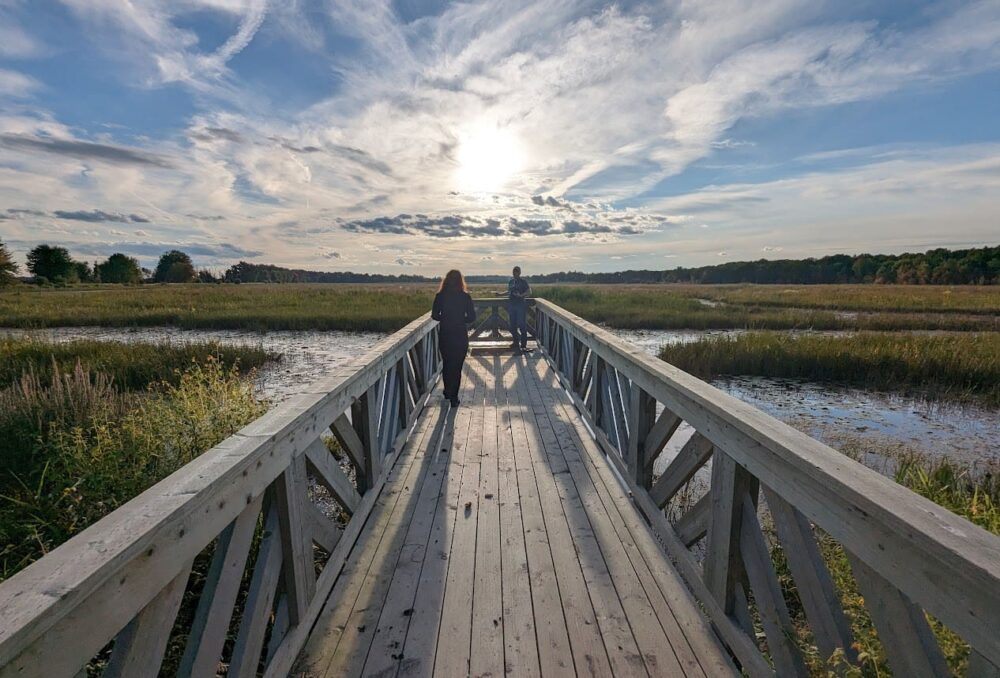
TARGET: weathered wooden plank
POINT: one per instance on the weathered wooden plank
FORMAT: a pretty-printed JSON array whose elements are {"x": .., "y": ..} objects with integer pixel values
[
  {"x": 981, "y": 667},
  {"x": 328, "y": 473},
  {"x": 416, "y": 562},
  {"x": 695, "y": 454},
  {"x": 692, "y": 639},
  {"x": 351, "y": 559},
  {"x": 767, "y": 594},
  {"x": 586, "y": 641},
  {"x": 820, "y": 598},
  {"x": 487, "y": 650},
  {"x": 260, "y": 596},
  {"x": 215, "y": 605},
  {"x": 138, "y": 649},
  {"x": 370, "y": 587},
  {"x": 555, "y": 654},
  {"x": 420, "y": 644},
  {"x": 520, "y": 645},
  {"x": 455, "y": 634},
  {"x": 633, "y": 636},
  {"x": 298, "y": 573},
  {"x": 693, "y": 525},
  {"x": 907, "y": 639},
  {"x": 617, "y": 410},
  {"x": 937, "y": 558}
]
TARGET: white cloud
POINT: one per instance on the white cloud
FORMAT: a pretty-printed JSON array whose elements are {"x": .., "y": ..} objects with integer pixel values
[{"x": 17, "y": 85}]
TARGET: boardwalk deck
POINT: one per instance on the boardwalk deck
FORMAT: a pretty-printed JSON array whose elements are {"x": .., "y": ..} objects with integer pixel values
[{"x": 505, "y": 546}]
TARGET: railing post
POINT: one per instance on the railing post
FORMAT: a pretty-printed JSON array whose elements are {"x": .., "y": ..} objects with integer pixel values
[
  {"x": 364, "y": 416},
  {"x": 724, "y": 569},
  {"x": 642, "y": 415}
]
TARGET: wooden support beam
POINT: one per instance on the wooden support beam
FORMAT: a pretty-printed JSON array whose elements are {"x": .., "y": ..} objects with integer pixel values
[
  {"x": 322, "y": 529},
  {"x": 658, "y": 436},
  {"x": 329, "y": 474},
  {"x": 768, "y": 596},
  {"x": 695, "y": 453},
  {"x": 620, "y": 432},
  {"x": 907, "y": 639},
  {"x": 138, "y": 649},
  {"x": 350, "y": 443},
  {"x": 820, "y": 598},
  {"x": 215, "y": 605},
  {"x": 693, "y": 525}
]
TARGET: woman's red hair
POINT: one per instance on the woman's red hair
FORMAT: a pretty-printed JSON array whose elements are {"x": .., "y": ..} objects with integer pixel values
[{"x": 453, "y": 280}]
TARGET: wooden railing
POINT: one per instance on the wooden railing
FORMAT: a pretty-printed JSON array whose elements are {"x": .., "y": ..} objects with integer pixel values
[
  {"x": 492, "y": 324},
  {"x": 908, "y": 555},
  {"x": 245, "y": 516}
]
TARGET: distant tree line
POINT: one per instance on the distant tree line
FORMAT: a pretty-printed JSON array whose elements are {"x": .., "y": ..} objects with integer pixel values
[
  {"x": 245, "y": 272},
  {"x": 979, "y": 266}
]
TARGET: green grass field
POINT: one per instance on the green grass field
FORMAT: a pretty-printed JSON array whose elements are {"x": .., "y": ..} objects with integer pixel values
[{"x": 389, "y": 307}]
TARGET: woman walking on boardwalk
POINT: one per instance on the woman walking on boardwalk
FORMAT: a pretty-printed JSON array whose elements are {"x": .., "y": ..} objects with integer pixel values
[{"x": 453, "y": 308}]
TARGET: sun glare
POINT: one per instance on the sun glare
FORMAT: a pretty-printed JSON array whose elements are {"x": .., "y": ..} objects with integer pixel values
[{"x": 488, "y": 158}]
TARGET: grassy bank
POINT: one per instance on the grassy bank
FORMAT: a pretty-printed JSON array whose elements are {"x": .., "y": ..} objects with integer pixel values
[
  {"x": 957, "y": 367},
  {"x": 389, "y": 307},
  {"x": 974, "y": 496},
  {"x": 131, "y": 366},
  {"x": 967, "y": 299},
  {"x": 78, "y": 443}
]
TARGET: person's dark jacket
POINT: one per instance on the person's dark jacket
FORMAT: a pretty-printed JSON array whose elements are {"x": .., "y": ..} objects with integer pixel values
[{"x": 454, "y": 310}]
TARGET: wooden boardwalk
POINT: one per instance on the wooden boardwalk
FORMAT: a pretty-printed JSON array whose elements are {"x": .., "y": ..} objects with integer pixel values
[
  {"x": 502, "y": 543},
  {"x": 523, "y": 533}
]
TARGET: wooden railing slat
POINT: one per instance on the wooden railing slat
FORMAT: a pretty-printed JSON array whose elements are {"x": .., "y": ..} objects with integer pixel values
[
  {"x": 215, "y": 605},
  {"x": 723, "y": 563},
  {"x": 138, "y": 649},
  {"x": 349, "y": 441},
  {"x": 330, "y": 475},
  {"x": 820, "y": 598},
  {"x": 642, "y": 413},
  {"x": 693, "y": 525},
  {"x": 901, "y": 625},
  {"x": 695, "y": 454},
  {"x": 665, "y": 426},
  {"x": 767, "y": 594},
  {"x": 260, "y": 597}
]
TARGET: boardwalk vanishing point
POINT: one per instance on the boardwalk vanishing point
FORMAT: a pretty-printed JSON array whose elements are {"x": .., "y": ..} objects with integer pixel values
[{"x": 527, "y": 532}]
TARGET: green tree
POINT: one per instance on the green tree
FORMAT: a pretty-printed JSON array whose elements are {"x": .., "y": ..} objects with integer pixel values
[
  {"x": 119, "y": 269},
  {"x": 52, "y": 263},
  {"x": 174, "y": 267},
  {"x": 83, "y": 271},
  {"x": 8, "y": 269}
]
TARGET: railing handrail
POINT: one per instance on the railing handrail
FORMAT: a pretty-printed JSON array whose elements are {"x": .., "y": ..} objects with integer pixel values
[
  {"x": 940, "y": 560},
  {"x": 138, "y": 549}
]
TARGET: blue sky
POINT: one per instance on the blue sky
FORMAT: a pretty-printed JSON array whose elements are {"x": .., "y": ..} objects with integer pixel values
[{"x": 411, "y": 135}]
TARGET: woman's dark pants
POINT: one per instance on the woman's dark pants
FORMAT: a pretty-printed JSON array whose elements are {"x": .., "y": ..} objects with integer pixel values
[{"x": 454, "y": 346}]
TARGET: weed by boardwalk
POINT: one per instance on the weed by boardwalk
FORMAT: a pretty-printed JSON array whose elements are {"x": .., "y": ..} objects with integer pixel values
[{"x": 76, "y": 447}]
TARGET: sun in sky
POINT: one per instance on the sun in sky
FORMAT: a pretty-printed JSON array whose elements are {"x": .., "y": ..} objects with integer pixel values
[{"x": 488, "y": 157}]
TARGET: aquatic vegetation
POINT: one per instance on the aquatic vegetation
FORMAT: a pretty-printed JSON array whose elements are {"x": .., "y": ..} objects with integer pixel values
[{"x": 957, "y": 367}]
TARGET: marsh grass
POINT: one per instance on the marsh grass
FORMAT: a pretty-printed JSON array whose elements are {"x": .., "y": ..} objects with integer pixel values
[
  {"x": 76, "y": 447},
  {"x": 132, "y": 366},
  {"x": 389, "y": 307},
  {"x": 957, "y": 367}
]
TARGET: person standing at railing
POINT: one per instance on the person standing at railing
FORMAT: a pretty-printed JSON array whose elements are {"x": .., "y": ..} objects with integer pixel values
[
  {"x": 518, "y": 291},
  {"x": 453, "y": 308}
]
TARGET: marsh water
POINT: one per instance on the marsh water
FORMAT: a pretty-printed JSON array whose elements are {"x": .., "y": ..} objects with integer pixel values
[{"x": 830, "y": 413}]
